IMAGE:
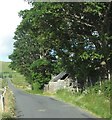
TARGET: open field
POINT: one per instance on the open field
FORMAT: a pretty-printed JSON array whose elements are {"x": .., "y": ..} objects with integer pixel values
[
  {"x": 4, "y": 66},
  {"x": 5, "y": 71},
  {"x": 19, "y": 80}
]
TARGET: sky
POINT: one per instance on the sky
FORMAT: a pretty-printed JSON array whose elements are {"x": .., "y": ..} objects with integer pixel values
[{"x": 9, "y": 20}]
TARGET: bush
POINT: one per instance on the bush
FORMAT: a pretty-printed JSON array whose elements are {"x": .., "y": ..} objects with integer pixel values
[
  {"x": 97, "y": 103},
  {"x": 106, "y": 89},
  {"x": 6, "y": 116},
  {"x": 35, "y": 86}
]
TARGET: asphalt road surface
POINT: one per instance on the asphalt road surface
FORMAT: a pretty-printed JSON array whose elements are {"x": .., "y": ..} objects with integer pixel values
[{"x": 37, "y": 106}]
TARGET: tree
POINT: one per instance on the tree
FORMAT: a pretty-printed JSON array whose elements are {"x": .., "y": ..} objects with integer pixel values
[{"x": 70, "y": 36}]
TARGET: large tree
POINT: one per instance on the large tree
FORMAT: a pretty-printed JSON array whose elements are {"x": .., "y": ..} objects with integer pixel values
[{"x": 68, "y": 35}]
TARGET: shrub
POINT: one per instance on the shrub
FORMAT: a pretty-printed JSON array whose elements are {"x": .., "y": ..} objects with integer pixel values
[
  {"x": 6, "y": 116},
  {"x": 36, "y": 86}
]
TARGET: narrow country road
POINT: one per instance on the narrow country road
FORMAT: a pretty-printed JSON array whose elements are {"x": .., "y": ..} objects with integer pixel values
[{"x": 37, "y": 106}]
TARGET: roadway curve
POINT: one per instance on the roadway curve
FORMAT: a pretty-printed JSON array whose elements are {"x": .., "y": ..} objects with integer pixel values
[{"x": 37, "y": 106}]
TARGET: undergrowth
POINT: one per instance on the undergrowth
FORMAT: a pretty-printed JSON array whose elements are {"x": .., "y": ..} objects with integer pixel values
[
  {"x": 98, "y": 102},
  {"x": 9, "y": 103}
]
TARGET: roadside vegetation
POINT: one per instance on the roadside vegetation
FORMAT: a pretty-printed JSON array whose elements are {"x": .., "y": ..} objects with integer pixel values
[
  {"x": 0, "y": 103},
  {"x": 5, "y": 70},
  {"x": 93, "y": 100},
  {"x": 76, "y": 38},
  {"x": 20, "y": 82},
  {"x": 9, "y": 103}
]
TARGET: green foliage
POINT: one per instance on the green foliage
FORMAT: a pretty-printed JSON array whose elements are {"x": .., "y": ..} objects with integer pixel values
[
  {"x": 104, "y": 88},
  {"x": 92, "y": 101},
  {"x": 40, "y": 62},
  {"x": 1, "y": 75},
  {"x": 9, "y": 106},
  {"x": 19, "y": 80},
  {"x": 36, "y": 89},
  {"x": 6, "y": 116},
  {"x": 40, "y": 68},
  {"x": 40, "y": 80},
  {"x": 63, "y": 36},
  {"x": 36, "y": 86},
  {"x": 10, "y": 75},
  {"x": 40, "y": 92}
]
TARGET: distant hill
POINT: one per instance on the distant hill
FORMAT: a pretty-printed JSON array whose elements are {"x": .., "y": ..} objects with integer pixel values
[{"x": 4, "y": 66}]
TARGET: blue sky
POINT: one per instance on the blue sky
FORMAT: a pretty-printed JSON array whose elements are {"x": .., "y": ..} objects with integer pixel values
[{"x": 9, "y": 20}]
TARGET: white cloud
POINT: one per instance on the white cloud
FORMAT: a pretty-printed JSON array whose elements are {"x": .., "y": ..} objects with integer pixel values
[
  {"x": 6, "y": 46},
  {"x": 8, "y": 23}
]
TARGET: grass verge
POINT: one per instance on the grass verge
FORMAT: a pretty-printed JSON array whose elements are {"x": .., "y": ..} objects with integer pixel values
[
  {"x": 97, "y": 104},
  {"x": 20, "y": 82},
  {"x": 96, "y": 99},
  {"x": 9, "y": 103}
]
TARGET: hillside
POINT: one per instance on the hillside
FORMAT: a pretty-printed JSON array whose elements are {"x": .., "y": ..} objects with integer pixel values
[
  {"x": 4, "y": 66},
  {"x": 5, "y": 71}
]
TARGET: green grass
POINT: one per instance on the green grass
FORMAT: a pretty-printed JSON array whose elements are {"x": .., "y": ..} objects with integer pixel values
[
  {"x": 6, "y": 116},
  {"x": 19, "y": 80},
  {"x": 5, "y": 71},
  {"x": 9, "y": 102},
  {"x": 4, "y": 83},
  {"x": 9, "y": 105},
  {"x": 34, "y": 92},
  {"x": 98, "y": 104},
  {"x": 5, "y": 66},
  {"x": 0, "y": 92}
]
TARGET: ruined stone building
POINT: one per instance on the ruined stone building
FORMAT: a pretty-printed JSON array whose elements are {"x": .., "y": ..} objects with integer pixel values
[{"x": 61, "y": 81}]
